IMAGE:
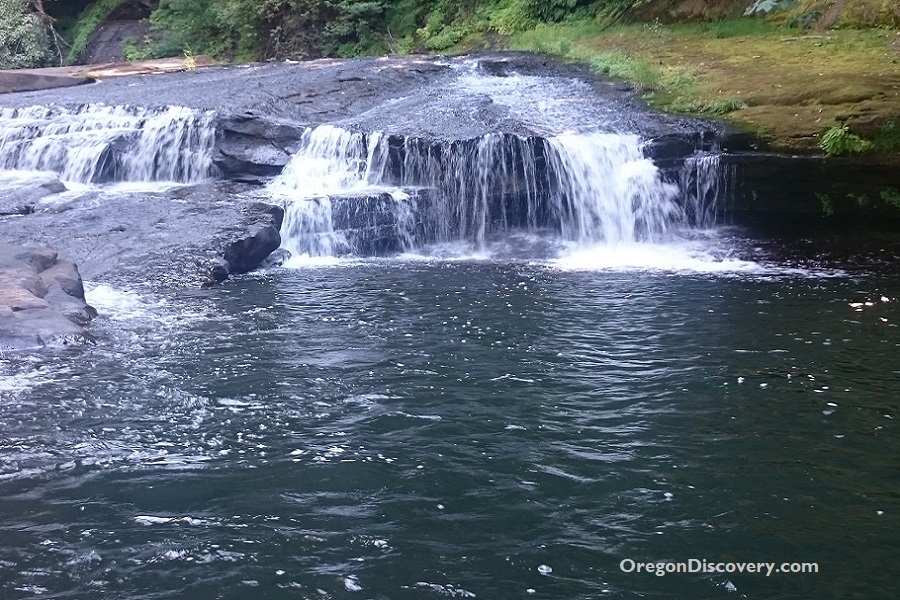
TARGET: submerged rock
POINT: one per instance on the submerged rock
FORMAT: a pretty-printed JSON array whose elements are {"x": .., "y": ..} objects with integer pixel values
[{"x": 42, "y": 300}]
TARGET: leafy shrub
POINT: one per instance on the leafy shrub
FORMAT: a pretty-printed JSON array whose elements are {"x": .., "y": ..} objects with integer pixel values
[
  {"x": 838, "y": 140},
  {"x": 132, "y": 49},
  {"x": 195, "y": 24},
  {"x": 448, "y": 37},
  {"x": 891, "y": 197},
  {"x": 512, "y": 16},
  {"x": 553, "y": 11},
  {"x": 24, "y": 39}
]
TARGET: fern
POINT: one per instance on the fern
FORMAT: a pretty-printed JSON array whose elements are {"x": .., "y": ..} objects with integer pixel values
[{"x": 838, "y": 141}]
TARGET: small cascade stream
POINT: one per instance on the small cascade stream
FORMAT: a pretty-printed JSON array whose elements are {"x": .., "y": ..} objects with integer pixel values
[
  {"x": 704, "y": 185},
  {"x": 553, "y": 165},
  {"x": 99, "y": 144}
]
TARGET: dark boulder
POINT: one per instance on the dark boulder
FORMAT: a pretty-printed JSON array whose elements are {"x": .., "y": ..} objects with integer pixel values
[
  {"x": 252, "y": 147},
  {"x": 252, "y": 246}
]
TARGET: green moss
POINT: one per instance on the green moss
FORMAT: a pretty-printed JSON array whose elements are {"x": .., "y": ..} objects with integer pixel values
[
  {"x": 717, "y": 107},
  {"x": 887, "y": 140}
]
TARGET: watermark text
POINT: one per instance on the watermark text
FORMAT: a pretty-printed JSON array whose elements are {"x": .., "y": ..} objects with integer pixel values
[{"x": 698, "y": 565}]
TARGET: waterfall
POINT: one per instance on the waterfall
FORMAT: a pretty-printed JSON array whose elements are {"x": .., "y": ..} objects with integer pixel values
[
  {"x": 591, "y": 188},
  {"x": 607, "y": 191},
  {"x": 97, "y": 143},
  {"x": 333, "y": 204},
  {"x": 704, "y": 188}
]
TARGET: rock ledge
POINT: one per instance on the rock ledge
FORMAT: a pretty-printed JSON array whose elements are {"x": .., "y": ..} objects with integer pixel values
[{"x": 41, "y": 300}]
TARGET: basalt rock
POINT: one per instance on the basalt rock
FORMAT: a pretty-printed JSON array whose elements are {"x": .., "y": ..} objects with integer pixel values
[
  {"x": 252, "y": 147},
  {"x": 165, "y": 238},
  {"x": 26, "y": 81},
  {"x": 42, "y": 300},
  {"x": 254, "y": 246}
]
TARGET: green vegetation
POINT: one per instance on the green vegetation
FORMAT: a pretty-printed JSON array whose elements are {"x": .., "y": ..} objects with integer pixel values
[
  {"x": 885, "y": 202},
  {"x": 827, "y": 204},
  {"x": 891, "y": 197},
  {"x": 887, "y": 199},
  {"x": 786, "y": 84},
  {"x": 838, "y": 140},
  {"x": 25, "y": 40},
  {"x": 887, "y": 139},
  {"x": 263, "y": 29},
  {"x": 88, "y": 21}
]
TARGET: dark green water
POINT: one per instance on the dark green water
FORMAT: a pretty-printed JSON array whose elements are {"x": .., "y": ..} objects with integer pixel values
[{"x": 405, "y": 430}]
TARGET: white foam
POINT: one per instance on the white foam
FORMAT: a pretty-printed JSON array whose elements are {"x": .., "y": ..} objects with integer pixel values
[
  {"x": 119, "y": 305},
  {"x": 20, "y": 382},
  {"x": 305, "y": 261},
  {"x": 10, "y": 178},
  {"x": 679, "y": 257},
  {"x": 154, "y": 520}
]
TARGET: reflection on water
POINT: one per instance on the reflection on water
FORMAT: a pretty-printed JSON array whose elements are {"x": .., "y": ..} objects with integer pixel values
[{"x": 458, "y": 429}]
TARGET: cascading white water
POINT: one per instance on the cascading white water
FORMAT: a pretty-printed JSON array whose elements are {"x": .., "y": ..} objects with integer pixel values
[
  {"x": 331, "y": 161},
  {"x": 595, "y": 188},
  {"x": 704, "y": 187},
  {"x": 607, "y": 191},
  {"x": 96, "y": 143}
]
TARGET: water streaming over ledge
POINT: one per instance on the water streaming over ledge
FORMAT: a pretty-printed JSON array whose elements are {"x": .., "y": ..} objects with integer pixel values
[
  {"x": 350, "y": 192},
  {"x": 98, "y": 143}
]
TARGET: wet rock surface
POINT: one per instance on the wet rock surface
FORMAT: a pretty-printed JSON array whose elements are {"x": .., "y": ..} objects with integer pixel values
[
  {"x": 21, "y": 81},
  {"x": 22, "y": 201},
  {"x": 263, "y": 109},
  {"x": 42, "y": 300},
  {"x": 430, "y": 110},
  {"x": 167, "y": 239},
  {"x": 250, "y": 247}
]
